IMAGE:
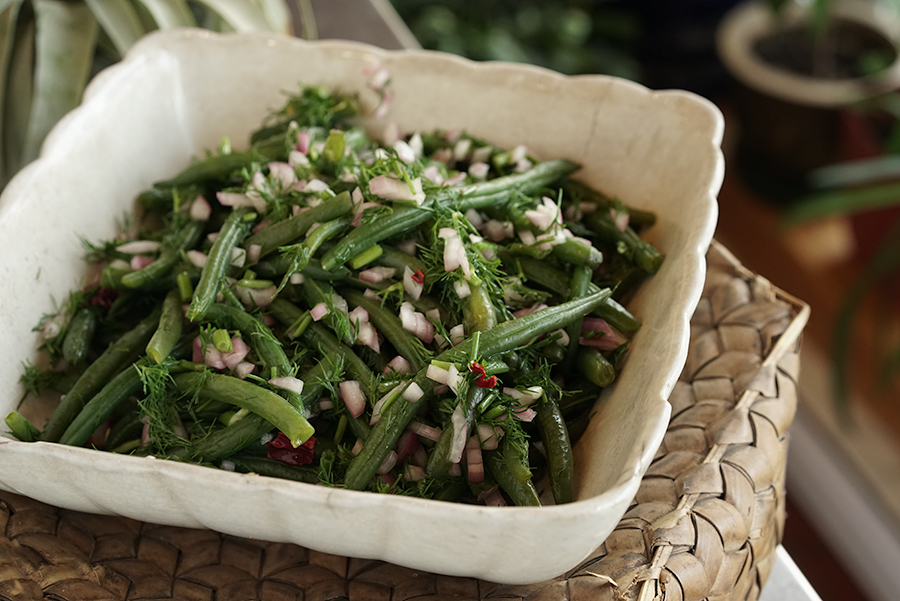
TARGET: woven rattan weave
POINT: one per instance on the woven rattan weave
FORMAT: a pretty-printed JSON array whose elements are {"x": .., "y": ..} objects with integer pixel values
[{"x": 704, "y": 524}]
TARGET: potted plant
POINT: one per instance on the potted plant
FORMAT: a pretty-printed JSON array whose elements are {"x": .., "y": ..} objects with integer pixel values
[
  {"x": 798, "y": 67},
  {"x": 49, "y": 50}
]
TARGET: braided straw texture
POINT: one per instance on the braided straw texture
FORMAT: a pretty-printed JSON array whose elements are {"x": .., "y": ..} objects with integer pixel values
[{"x": 704, "y": 524}]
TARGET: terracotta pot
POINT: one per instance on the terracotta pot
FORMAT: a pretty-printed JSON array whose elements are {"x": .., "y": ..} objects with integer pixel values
[{"x": 789, "y": 123}]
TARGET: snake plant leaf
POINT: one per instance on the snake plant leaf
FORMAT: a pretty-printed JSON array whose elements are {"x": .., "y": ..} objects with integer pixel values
[
  {"x": 308, "y": 29},
  {"x": 170, "y": 14},
  {"x": 239, "y": 14},
  {"x": 66, "y": 33},
  {"x": 19, "y": 93},
  {"x": 9, "y": 10},
  {"x": 276, "y": 13},
  {"x": 119, "y": 20}
]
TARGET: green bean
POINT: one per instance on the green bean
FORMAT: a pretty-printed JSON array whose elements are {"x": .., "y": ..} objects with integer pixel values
[
  {"x": 558, "y": 449},
  {"x": 257, "y": 334},
  {"x": 276, "y": 266},
  {"x": 284, "y": 232},
  {"x": 391, "y": 257},
  {"x": 187, "y": 238},
  {"x": 581, "y": 282},
  {"x": 79, "y": 335},
  {"x": 472, "y": 196},
  {"x": 233, "y": 231},
  {"x": 221, "y": 166},
  {"x": 277, "y": 469},
  {"x": 404, "y": 341},
  {"x": 265, "y": 403},
  {"x": 162, "y": 199},
  {"x": 21, "y": 428},
  {"x": 329, "y": 345},
  {"x": 521, "y": 493},
  {"x": 127, "y": 383},
  {"x": 227, "y": 441},
  {"x": 627, "y": 241},
  {"x": 559, "y": 282},
  {"x": 595, "y": 367},
  {"x": 318, "y": 292},
  {"x": 126, "y": 428},
  {"x": 499, "y": 339},
  {"x": 578, "y": 253},
  {"x": 480, "y": 315},
  {"x": 168, "y": 332},
  {"x": 118, "y": 355},
  {"x": 581, "y": 191}
]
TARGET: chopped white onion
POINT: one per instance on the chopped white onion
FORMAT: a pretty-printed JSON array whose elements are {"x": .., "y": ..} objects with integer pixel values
[
  {"x": 197, "y": 258},
  {"x": 375, "y": 275},
  {"x": 388, "y": 464},
  {"x": 460, "y": 434},
  {"x": 438, "y": 374},
  {"x": 412, "y": 287},
  {"x": 461, "y": 287},
  {"x": 319, "y": 311},
  {"x": 237, "y": 354},
  {"x": 238, "y": 257},
  {"x": 413, "y": 393},
  {"x": 413, "y": 473},
  {"x": 478, "y": 170},
  {"x": 489, "y": 436},
  {"x": 423, "y": 430},
  {"x": 253, "y": 253},
  {"x": 200, "y": 209},
  {"x": 457, "y": 334},
  {"x": 398, "y": 365},
  {"x": 474, "y": 460},
  {"x": 243, "y": 369}
]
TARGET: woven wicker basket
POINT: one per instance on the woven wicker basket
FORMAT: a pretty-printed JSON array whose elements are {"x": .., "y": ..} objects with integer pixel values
[{"x": 704, "y": 524}]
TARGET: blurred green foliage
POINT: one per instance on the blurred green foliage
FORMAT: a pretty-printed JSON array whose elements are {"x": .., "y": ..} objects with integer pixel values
[{"x": 569, "y": 36}]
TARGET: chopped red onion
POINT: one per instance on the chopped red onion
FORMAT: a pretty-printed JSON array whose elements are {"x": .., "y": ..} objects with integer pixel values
[
  {"x": 489, "y": 436},
  {"x": 478, "y": 170},
  {"x": 405, "y": 152},
  {"x": 525, "y": 415},
  {"x": 461, "y": 149},
  {"x": 243, "y": 369},
  {"x": 455, "y": 379},
  {"x": 353, "y": 397},
  {"x": 297, "y": 159},
  {"x": 358, "y": 315},
  {"x": 496, "y": 231},
  {"x": 441, "y": 389},
  {"x": 289, "y": 383},
  {"x": 238, "y": 257},
  {"x": 253, "y": 253},
  {"x": 455, "y": 180},
  {"x": 424, "y": 430},
  {"x": 398, "y": 365},
  {"x": 527, "y": 237},
  {"x": 139, "y": 247},
  {"x": 357, "y": 447},
  {"x": 283, "y": 174},
  {"x": 438, "y": 374},
  {"x": 417, "y": 144},
  {"x": 474, "y": 460},
  {"x": 408, "y": 246},
  {"x": 234, "y": 199},
  {"x": 296, "y": 278},
  {"x": 388, "y": 464},
  {"x": 457, "y": 334},
  {"x": 200, "y": 209},
  {"x": 140, "y": 261},
  {"x": 413, "y": 473},
  {"x": 391, "y": 188},
  {"x": 412, "y": 287},
  {"x": 420, "y": 457},
  {"x": 407, "y": 445},
  {"x": 366, "y": 333},
  {"x": 213, "y": 357},
  {"x": 494, "y": 498},
  {"x": 523, "y": 165},
  {"x": 256, "y": 297},
  {"x": 391, "y": 133},
  {"x": 369, "y": 293},
  {"x": 454, "y": 470},
  {"x": 444, "y": 155},
  {"x": 376, "y": 410},
  {"x": 315, "y": 185},
  {"x": 563, "y": 337},
  {"x": 375, "y": 275},
  {"x": 319, "y": 311},
  {"x": 236, "y": 356},
  {"x": 303, "y": 139},
  {"x": 197, "y": 351},
  {"x": 434, "y": 174}
]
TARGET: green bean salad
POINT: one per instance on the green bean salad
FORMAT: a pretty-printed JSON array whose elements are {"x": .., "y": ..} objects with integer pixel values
[{"x": 425, "y": 314}]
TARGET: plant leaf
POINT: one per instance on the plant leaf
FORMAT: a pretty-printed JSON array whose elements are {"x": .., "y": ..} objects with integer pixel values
[
  {"x": 308, "y": 29},
  {"x": 240, "y": 14},
  {"x": 9, "y": 10},
  {"x": 119, "y": 20},
  {"x": 66, "y": 33},
  {"x": 276, "y": 14},
  {"x": 170, "y": 14},
  {"x": 17, "y": 110}
]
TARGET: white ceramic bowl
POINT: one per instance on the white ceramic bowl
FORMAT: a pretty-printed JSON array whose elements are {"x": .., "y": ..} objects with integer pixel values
[{"x": 178, "y": 93}]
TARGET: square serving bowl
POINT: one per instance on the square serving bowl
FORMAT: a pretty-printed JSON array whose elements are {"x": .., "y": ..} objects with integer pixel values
[{"x": 178, "y": 93}]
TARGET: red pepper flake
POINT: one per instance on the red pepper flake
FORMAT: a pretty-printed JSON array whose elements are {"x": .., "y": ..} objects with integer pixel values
[
  {"x": 485, "y": 382},
  {"x": 282, "y": 450},
  {"x": 104, "y": 297},
  {"x": 478, "y": 368},
  {"x": 418, "y": 277}
]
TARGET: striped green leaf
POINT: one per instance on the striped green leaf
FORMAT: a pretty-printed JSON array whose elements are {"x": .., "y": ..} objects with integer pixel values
[
  {"x": 9, "y": 10},
  {"x": 66, "y": 33},
  {"x": 119, "y": 20},
  {"x": 239, "y": 14},
  {"x": 170, "y": 14}
]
